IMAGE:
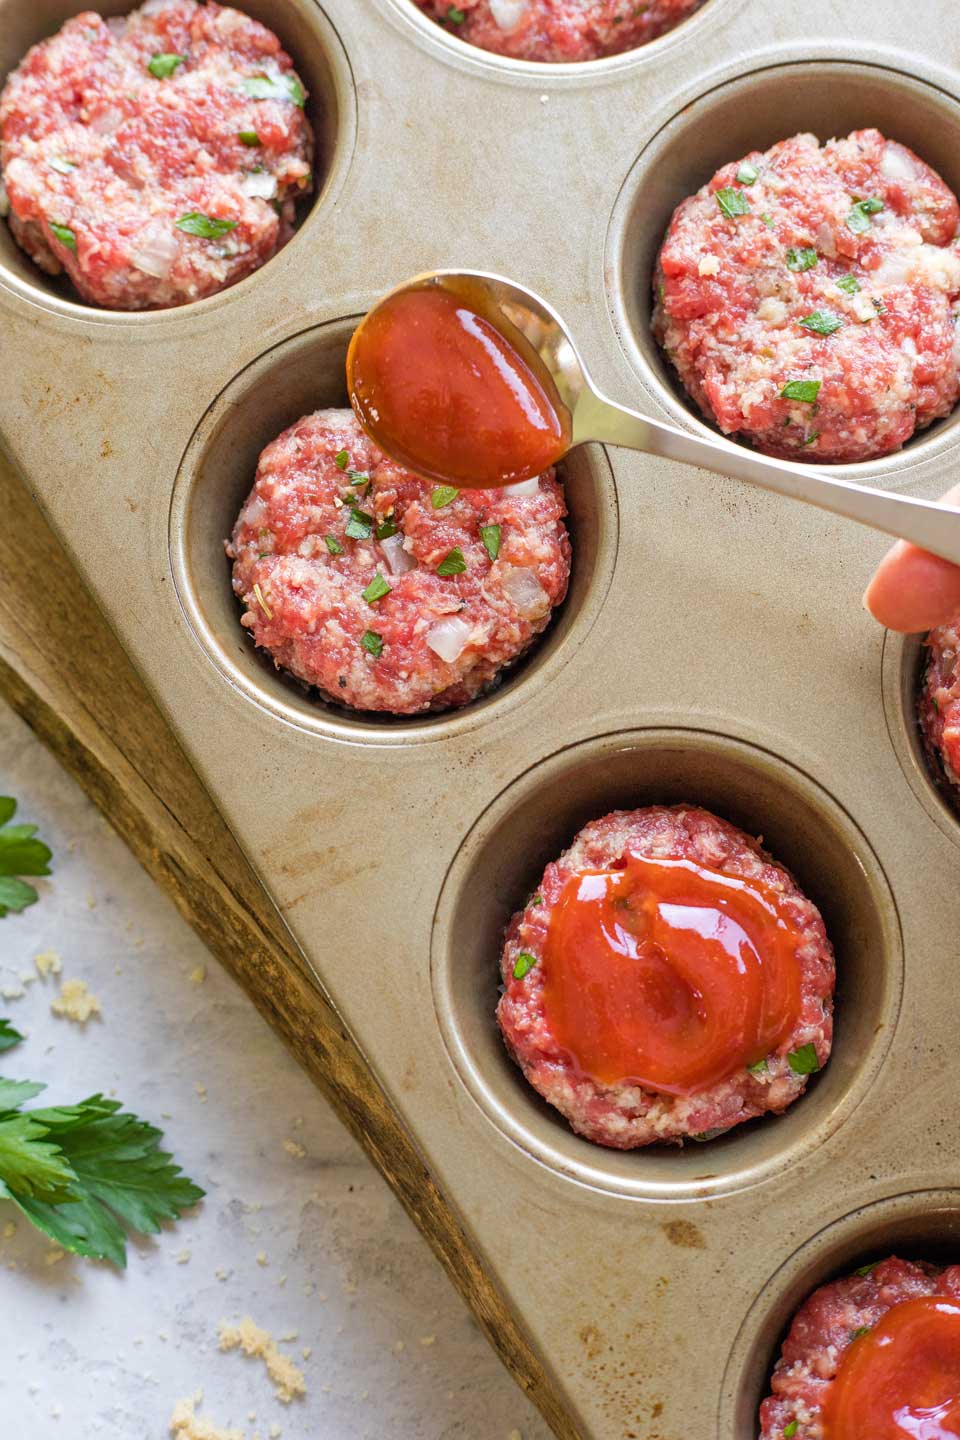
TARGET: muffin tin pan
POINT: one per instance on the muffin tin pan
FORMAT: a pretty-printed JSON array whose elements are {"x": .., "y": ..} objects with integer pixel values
[{"x": 712, "y": 648}]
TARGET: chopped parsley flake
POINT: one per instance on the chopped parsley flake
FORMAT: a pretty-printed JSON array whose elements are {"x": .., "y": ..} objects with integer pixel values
[
  {"x": 759, "y": 1067},
  {"x": 376, "y": 590},
  {"x": 455, "y": 15},
  {"x": 359, "y": 526},
  {"x": 811, "y": 439},
  {"x": 62, "y": 167},
  {"x": 372, "y": 643},
  {"x": 341, "y": 459},
  {"x": 537, "y": 900},
  {"x": 162, "y": 66},
  {"x": 208, "y": 227},
  {"x": 284, "y": 87},
  {"x": 333, "y": 544},
  {"x": 804, "y": 1061},
  {"x": 248, "y": 137},
  {"x": 443, "y": 495},
  {"x": 525, "y": 963},
  {"x": 866, "y": 1269},
  {"x": 732, "y": 202},
  {"x": 452, "y": 563},
  {"x": 388, "y": 528},
  {"x": 849, "y": 283},
  {"x": 748, "y": 174},
  {"x": 65, "y": 235},
  {"x": 821, "y": 322},
  {"x": 859, "y": 218},
  {"x": 801, "y": 257},
  {"x": 767, "y": 220},
  {"x": 804, "y": 390},
  {"x": 490, "y": 535},
  {"x": 358, "y": 477},
  {"x": 860, "y": 1331},
  {"x": 790, "y": 1430}
]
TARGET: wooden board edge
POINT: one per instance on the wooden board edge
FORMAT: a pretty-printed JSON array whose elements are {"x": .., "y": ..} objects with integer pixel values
[{"x": 64, "y": 672}]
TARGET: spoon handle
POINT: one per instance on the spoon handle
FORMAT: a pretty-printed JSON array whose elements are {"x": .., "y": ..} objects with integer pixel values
[{"x": 925, "y": 523}]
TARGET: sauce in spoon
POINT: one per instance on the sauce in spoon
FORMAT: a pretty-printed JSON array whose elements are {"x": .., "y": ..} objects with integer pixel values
[{"x": 447, "y": 387}]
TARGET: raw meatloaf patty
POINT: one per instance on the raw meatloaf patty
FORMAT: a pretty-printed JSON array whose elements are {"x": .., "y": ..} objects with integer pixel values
[
  {"x": 155, "y": 159},
  {"x": 624, "y": 1115},
  {"x": 559, "y": 30},
  {"x": 940, "y": 701},
  {"x": 823, "y": 1329},
  {"x": 808, "y": 297},
  {"x": 331, "y": 522}
]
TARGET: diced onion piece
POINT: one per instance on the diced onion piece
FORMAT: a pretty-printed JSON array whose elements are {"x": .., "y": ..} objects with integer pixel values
[
  {"x": 896, "y": 164},
  {"x": 156, "y": 252},
  {"x": 448, "y": 638},
  {"x": 508, "y": 13},
  {"x": 524, "y": 487},
  {"x": 399, "y": 561},
  {"x": 254, "y": 511},
  {"x": 107, "y": 121},
  {"x": 522, "y": 587},
  {"x": 259, "y": 185}
]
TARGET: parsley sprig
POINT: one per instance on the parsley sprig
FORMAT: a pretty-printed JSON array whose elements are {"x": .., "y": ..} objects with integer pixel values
[{"x": 20, "y": 854}]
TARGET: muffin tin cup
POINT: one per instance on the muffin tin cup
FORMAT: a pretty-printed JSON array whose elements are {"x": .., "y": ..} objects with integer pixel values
[{"x": 712, "y": 650}]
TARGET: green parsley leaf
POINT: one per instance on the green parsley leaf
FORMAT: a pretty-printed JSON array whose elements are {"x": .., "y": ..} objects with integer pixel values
[
  {"x": 372, "y": 643},
  {"x": 65, "y": 235},
  {"x": 333, "y": 544},
  {"x": 759, "y": 1067},
  {"x": 748, "y": 174},
  {"x": 804, "y": 1061},
  {"x": 162, "y": 66},
  {"x": 803, "y": 390},
  {"x": 388, "y": 528},
  {"x": 452, "y": 563},
  {"x": 121, "y": 1180},
  {"x": 537, "y": 900},
  {"x": 866, "y": 1269},
  {"x": 20, "y": 854},
  {"x": 14, "y": 1093},
  {"x": 791, "y": 1429},
  {"x": 31, "y": 1166},
  {"x": 767, "y": 220},
  {"x": 490, "y": 535},
  {"x": 703, "y": 1135},
  {"x": 62, "y": 167},
  {"x": 821, "y": 322},
  {"x": 849, "y": 283},
  {"x": 801, "y": 257},
  {"x": 732, "y": 202},
  {"x": 208, "y": 227},
  {"x": 455, "y": 15},
  {"x": 358, "y": 477},
  {"x": 341, "y": 459},
  {"x": 8, "y": 1036},
  {"x": 359, "y": 526},
  {"x": 376, "y": 590},
  {"x": 811, "y": 439},
  {"x": 248, "y": 137},
  {"x": 525, "y": 963},
  {"x": 859, "y": 218},
  {"x": 285, "y": 87},
  {"x": 860, "y": 1331},
  {"x": 443, "y": 495}
]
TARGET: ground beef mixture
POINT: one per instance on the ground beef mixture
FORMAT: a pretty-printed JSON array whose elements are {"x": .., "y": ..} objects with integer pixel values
[
  {"x": 559, "y": 30},
  {"x": 808, "y": 298}
]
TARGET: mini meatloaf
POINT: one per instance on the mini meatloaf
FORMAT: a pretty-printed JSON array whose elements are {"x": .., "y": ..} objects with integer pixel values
[
  {"x": 624, "y": 1115},
  {"x": 808, "y": 298},
  {"x": 559, "y": 30},
  {"x": 940, "y": 703},
  {"x": 385, "y": 591},
  {"x": 154, "y": 159},
  {"x": 824, "y": 1328}
]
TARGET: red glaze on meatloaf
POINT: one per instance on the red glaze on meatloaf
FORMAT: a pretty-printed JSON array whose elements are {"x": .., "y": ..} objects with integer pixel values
[
  {"x": 112, "y": 132},
  {"x": 473, "y": 575},
  {"x": 830, "y": 273},
  {"x": 824, "y": 1328},
  {"x": 940, "y": 702},
  {"x": 625, "y": 1115},
  {"x": 559, "y": 30}
]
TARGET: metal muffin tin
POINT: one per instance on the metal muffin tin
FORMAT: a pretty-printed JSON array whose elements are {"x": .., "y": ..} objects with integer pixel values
[{"x": 712, "y": 649}]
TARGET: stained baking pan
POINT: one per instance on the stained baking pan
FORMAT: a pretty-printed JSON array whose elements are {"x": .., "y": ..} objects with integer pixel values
[{"x": 712, "y": 649}]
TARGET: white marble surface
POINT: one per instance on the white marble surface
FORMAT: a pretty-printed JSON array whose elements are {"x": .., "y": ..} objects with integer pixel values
[{"x": 88, "y": 1351}]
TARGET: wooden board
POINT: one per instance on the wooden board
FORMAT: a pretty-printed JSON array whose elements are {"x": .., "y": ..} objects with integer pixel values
[{"x": 64, "y": 672}]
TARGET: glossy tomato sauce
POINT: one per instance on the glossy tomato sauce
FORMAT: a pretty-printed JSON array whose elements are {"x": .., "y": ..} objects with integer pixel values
[
  {"x": 669, "y": 974},
  {"x": 901, "y": 1378},
  {"x": 441, "y": 386}
]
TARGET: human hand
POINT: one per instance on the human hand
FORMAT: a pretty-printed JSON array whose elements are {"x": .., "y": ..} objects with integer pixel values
[{"x": 912, "y": 589}]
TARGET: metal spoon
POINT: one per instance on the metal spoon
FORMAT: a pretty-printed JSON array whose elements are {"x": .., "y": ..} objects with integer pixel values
[{"x": 931, "y": 526}]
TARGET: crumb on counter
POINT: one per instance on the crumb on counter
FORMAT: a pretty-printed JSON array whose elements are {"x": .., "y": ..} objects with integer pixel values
[
  {"x": 75, "y": 1002},
  {"x": 259, "y": 1344}
]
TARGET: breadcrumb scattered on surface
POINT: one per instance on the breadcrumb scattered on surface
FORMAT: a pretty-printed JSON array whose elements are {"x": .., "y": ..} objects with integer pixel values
[
  {"x": 183, "y": 1257},
  {"x": 262, "y": 1257},
  {"x": 186, "y": 1424},
  {"x": 75, "y": 1002},
  {"x": 259, "y": 1344},
  {"x": 48, "y": 962},
  {"x": 294, "y": 1148},
  {"x": 9, "y": 1230},
  {"x": 54, "y": 1256},
  {"x": 428, "y": 1339},
  {"x": 198, "y": 975}
]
